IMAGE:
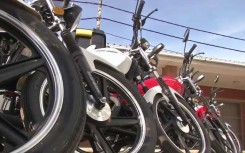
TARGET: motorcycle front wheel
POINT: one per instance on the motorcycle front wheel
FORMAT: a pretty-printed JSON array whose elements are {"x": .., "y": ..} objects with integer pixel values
[
  {"x": 173, "y": 136},
  {"x": 131, "y": 127},
  {"x": 221, "y": 141},
  {"x": 26, "y": 46},
  {"x": 236, "y": 141}
]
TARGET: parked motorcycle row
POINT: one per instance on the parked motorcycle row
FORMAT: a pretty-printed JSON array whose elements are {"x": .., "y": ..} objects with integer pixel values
[{"x": 59, "y": 97}]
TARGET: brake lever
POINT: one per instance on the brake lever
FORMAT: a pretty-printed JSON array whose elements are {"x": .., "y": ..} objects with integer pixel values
[
  {"x": 194, "y": 74},
  {"x": 144, "y": 20},
  {"x": 191, "y": 56},
  {"x": 215, "y": 90},
  {"x": 202, "y": 53}
]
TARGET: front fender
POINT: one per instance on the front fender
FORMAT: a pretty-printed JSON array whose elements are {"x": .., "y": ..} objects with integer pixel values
[
  {"x": 109, "y": 56},
  {"x": 157, "y": 90},
  {"x": 152, "y": 93}
]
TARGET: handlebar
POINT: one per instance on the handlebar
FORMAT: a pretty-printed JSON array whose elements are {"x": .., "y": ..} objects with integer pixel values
[
  {"x": 143, "y": 21},
  {"x": 139, "y": 10},
  {"x": 136, "y": 25},
  {"x": 191, "y": 50},
  {"x": 187, "y": 60}
]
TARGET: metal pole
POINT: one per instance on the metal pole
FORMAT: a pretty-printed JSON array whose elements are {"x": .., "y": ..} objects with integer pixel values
[{"x": 99, "y": 14}]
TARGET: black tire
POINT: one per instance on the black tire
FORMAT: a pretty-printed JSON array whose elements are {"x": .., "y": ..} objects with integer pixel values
[
  {"x": 218, "y": 142},
  {"x": 115, "y": 78},
  {"x": 33, "y": 111},
  {"x": 236, "y": 141},
  {"x": 62, "y": 127},
  {"x": 168, "y": 139}
]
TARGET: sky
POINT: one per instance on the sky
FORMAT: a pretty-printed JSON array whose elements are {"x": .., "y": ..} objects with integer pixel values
[{"x": 220, "y": 16}]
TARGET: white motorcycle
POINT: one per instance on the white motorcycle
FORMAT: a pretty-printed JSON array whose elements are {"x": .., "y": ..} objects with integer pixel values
[{"x": 120, "y": 122}]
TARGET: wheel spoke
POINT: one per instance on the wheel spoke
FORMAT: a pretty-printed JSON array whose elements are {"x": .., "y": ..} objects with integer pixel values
[
  {"x": 168, "y": 126},
  {"x": 11, "y": 133},
  {"x": 116, "y": 108},
  {"x": 15, "y": 120},
  {"x": 101, "y": 139},
  {"x": 182, "y": 142},
  {"x": 95, "y": 146},
  {"x": 122, "y": 131},
  {"x": 166, "y": 110},
  {"x": 12, "y": 71},
  {"x": 123, "y": 121},
  {"x": 227, "y": 144},
  {"x": 191, "y": 136}
]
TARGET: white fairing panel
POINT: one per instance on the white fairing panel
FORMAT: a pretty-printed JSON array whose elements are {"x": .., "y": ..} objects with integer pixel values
[{"x": 110, "y": 56}]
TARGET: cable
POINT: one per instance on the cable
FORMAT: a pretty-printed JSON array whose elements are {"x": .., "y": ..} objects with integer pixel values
[
  {"x": 109, "y": 6},
  {"x": 117, "y": 36},
  {"x": 157, "y": 32},
  {"x": 179, "y": 25}
]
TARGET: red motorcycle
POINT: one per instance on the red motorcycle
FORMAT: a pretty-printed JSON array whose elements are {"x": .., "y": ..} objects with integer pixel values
[
  {"x": 179, "y": 128},
  {"x": 221, "y": 136}
]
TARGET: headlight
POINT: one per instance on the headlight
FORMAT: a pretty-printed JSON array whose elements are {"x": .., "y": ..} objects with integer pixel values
[
  {"x": 144, "y": 44},
  {"x": 72, "y": 17}
]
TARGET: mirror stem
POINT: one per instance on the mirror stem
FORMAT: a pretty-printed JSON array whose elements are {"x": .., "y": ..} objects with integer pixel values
[{"x": 185, "y": 47}]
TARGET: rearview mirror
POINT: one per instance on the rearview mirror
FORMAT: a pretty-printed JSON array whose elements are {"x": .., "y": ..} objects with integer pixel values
[
  {"x": 156, "y": 50},
  {"x": 216, "y": 79},
  {"x": 200, "y": 78}
]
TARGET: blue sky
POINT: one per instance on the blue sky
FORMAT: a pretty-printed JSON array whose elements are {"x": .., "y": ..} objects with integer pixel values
[{"x": 221, "y": 16}]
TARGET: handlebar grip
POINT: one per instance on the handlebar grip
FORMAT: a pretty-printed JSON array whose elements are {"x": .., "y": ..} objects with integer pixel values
[
  {"x": 156, "y": 50},
  {"x": 140, "y": 8},
  {"x": 192, "y": 49}
]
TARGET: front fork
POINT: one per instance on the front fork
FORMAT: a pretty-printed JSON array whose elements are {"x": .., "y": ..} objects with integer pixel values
[
  {"x": 84, "y": 68},
  {"x": 78, "y": 56},
  {"x": 225, "y": 129},
  {"x": 173, "y": 99}
]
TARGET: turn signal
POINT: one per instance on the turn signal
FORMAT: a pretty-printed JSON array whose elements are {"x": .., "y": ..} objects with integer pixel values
[{"x": 58, "y": 11}]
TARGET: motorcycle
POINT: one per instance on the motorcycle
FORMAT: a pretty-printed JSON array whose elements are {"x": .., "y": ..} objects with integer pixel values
[
  {"x": 118, "y": 119},
  {"x": 26, "y": 45},
  {"x": 179, "y": 128},
  {"x": 221, "y": 137}
]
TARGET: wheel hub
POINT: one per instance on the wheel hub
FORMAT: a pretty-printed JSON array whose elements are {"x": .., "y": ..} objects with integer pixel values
[
  {"x": 181, "y": 126},
  {"x": 222, "y": 134},
  {"x": 102, "y": 115}
]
